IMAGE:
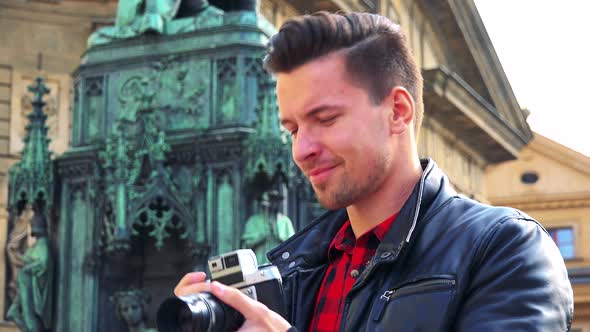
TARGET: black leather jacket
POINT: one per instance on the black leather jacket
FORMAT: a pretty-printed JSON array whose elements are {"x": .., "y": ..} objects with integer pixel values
[{"x": 448, "y": 263}]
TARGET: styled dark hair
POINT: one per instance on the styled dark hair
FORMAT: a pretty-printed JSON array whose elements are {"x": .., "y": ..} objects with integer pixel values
[{"x": 376, "y": 52}]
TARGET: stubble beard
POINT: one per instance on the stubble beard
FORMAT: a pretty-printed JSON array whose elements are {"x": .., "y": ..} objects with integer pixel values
[{"x": 345, "y": 192}]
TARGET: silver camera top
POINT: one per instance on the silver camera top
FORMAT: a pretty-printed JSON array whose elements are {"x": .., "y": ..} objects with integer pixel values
[
  {"x": 233, "y": 267},
  {"x": 239, "y": 269}
]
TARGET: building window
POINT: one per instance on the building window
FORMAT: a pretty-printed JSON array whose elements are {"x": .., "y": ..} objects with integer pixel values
[
  {"x": 529, "y": 177},
  {"x": 564, "y": 238}
]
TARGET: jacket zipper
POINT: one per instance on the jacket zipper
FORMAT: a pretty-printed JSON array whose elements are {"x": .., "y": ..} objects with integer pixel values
[
  {"x": 419, "y": 287},
  {"x": 399, "y": 249}
]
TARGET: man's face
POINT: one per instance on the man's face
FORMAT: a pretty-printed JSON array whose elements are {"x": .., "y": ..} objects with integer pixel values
[{"x": 341, "y": 140}]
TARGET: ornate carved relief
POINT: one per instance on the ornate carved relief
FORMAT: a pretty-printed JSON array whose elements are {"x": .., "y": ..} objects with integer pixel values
[
  {"x": 159, "y": 217},
  {"x": 174, "y": 87},
  {"x": 140, "y": 189}
]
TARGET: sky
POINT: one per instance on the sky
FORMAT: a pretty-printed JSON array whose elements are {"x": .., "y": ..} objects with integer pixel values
[{"x": 544, "y": 49}]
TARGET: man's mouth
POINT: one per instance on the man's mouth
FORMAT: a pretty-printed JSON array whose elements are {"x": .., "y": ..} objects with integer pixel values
[{"x": 320, "y": 174}]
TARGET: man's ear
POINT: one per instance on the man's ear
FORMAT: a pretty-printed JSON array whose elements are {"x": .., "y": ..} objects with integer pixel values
[{"x": 401, "y": 117}]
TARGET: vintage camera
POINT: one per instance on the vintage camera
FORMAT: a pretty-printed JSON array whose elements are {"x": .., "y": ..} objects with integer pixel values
[{"x": 204, "y": 312}]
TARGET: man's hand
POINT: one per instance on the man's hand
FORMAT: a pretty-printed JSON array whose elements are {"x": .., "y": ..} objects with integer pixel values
[{"x": 257, "y": 316}]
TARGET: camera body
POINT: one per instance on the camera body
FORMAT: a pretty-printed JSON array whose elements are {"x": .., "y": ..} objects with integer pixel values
[
  {"x": 239, "y": 269},
  {"x": 204, "y": 312}
]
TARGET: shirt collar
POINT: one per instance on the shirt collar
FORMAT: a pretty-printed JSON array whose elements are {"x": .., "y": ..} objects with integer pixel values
[{"x": 344, "y": 240}]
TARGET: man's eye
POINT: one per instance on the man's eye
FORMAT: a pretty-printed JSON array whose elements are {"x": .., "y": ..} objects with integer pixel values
[{"x": 327, "y": 120}]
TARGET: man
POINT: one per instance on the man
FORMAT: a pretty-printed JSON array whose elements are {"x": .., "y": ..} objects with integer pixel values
[{"x": 401, "y": 251}]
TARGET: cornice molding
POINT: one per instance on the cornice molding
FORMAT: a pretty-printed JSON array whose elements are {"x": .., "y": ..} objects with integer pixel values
[
  {"x": 545, "y": 202},
  {"x": 474, "y": 119},
  {"x": 473, "y": 57},
  {"x": 492, "y": 73}
]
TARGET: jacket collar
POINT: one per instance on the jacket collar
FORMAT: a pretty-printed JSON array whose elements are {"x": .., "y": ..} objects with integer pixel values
[{"x": 308, "y": 248}]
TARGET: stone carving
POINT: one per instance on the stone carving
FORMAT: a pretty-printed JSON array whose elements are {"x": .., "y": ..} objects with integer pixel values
[
  {"x": 16, "y": 247},
  {"x": 158, "y": 216},
  {"x": 267, "y": 228},
  {"x": 132, "y": 308},
  {"x": 140, "y": 191},
  {"x": 176, "y": 88},
  {"x": 135, "y": 95},
  {"x": 32, "y": 308},
  {"x": 182, "y": 90}
]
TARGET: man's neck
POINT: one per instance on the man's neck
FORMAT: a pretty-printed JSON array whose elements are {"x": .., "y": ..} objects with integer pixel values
[{"x": 386, "y": 201}]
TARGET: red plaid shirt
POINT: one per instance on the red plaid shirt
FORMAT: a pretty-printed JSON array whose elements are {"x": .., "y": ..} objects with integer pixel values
[{"x": 348, "y": 257}]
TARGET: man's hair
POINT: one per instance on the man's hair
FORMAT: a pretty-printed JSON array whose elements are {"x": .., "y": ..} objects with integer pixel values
[{"x": 376, "y": 52}]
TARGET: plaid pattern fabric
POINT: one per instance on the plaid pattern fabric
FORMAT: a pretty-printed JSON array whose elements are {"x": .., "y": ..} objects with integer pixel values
[{"x": 348, "y": 257}]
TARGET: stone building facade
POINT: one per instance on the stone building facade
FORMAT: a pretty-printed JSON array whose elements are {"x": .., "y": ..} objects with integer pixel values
[{"x": 552, "y": 184}]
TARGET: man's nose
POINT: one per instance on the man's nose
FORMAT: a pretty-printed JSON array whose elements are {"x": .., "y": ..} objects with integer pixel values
[{"x": 305, "y": 146}]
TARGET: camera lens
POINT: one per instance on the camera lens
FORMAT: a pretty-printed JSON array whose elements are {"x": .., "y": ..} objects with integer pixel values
[{"x": 196, "y": 313}]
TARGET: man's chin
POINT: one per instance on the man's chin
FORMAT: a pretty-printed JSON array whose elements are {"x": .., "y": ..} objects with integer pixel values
[{"x": 329, "y": 203}]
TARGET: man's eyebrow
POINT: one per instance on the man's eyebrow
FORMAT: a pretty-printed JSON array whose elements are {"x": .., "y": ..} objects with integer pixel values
[
  {"x": 320, "y": 109},
  {"x": 284, "y": 121},
  {"x": 313, "y": 112}
]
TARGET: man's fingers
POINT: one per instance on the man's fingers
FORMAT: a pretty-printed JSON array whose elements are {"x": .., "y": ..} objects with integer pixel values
[
  {"x": 251, "y": 309},
  {"x": 193, "y": 289},
  {"x": 186, "y": 285},
  {"x": 192, "y": 278}
]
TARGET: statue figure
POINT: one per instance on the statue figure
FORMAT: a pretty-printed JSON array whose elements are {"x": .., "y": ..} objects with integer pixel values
[
  {"x": 136, "y": 17},
  {"x": 132, "y": 308},
  {"x": 267, "y": 228},
  {"x": 17, "y": 245},
  {"x": 31, "y": 309}
]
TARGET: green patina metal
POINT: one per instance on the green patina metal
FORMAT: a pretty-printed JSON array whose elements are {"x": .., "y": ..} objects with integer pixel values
[
  {"x": 31, "y": 185},
  {"x": 175, "y": 144},
  {"x": 32, "y": 177},
  {"x": 32, "y": 308},
  {"x": 137, "y": 17},
  {"x": 268, "y": 227},
  {"x": 131, "y": 307}
]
